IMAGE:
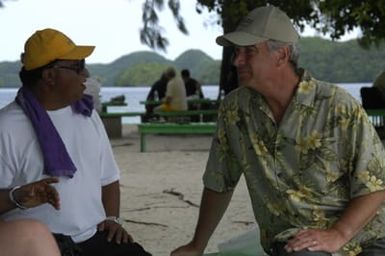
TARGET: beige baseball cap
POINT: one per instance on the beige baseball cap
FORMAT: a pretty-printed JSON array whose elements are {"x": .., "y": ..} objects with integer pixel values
[{"x": 261, "y": 24}]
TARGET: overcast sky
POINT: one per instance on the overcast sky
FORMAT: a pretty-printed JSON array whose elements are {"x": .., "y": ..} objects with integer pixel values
[{"x": 111, "y": 25}]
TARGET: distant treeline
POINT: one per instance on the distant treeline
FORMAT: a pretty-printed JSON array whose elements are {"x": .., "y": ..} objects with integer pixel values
[{"x": 338, "y": 62}]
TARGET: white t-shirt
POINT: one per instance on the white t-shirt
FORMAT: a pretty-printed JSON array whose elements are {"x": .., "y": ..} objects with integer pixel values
[
  {"x": 177, "y": 91},
  {"x": 80, "y": 197}
]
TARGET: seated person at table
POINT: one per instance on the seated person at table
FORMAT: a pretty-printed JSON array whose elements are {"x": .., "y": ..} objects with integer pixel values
[
  {"x": 157, "y": 92},
  {"x": 193, "y": 87},
  {"x": 193, "y": 92},
  {"x": 175, "y": 99}
]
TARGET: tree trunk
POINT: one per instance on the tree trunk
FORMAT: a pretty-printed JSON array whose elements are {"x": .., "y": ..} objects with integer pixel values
[
  {"x": 231, "y": 15},
  {"x": 227, "y": 82}
]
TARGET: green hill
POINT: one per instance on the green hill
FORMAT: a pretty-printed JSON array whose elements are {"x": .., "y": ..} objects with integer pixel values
[
  {"x": 341, "y": 62},
  {"x": 111, "y": 73},
  {"x": 201, "y": 66},
  {"x": 338, "y": 62}
]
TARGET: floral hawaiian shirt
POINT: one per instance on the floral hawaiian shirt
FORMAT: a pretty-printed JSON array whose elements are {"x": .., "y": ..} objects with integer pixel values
[{"x": 303, "y": 171}]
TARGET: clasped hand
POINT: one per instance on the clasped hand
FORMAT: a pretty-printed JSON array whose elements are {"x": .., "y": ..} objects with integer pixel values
[
  {"x": 327, "y": 240},
  {"x": 115, "y": 231}
]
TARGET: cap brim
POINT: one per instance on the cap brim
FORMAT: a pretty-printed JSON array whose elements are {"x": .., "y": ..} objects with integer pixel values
[
  {"x": 78, "y": 53},
  {"x": 239, "y": 38}
]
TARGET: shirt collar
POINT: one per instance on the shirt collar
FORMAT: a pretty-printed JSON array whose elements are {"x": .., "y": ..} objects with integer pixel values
[{"x": 306, "y": 91}]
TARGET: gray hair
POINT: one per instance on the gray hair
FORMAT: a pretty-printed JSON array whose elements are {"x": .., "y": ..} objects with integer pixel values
[{"x": 293, "y": 50}]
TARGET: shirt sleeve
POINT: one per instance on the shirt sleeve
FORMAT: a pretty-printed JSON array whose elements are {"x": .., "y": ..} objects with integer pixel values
[
  {"x": 368, "y": 156},
  {"x": 110, "y": 169},
  {"x": 222, "y": 170},
  {"x": 6, "y": 172}
]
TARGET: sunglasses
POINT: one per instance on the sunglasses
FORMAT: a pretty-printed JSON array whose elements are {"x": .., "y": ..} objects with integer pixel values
[{"x": 77, "y": 68}]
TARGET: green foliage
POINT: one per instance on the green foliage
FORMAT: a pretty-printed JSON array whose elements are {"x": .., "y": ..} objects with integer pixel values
[
  {"x": 151, "y": 32},
  {"x": 140, "y": 74},
  {"x": 230, "y": 12},
  {"x": 192, "y": 59},
  {"x": 340, "y": 16},
  {"x": 199, "y": 63},
  {"x": 109, "y": 72},
  {"x": 341, "y": 62},
  {"x": 210, "y": 74}
]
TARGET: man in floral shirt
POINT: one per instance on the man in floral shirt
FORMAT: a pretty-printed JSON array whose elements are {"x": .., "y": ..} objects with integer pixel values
[{"x": 313, "y": 163}]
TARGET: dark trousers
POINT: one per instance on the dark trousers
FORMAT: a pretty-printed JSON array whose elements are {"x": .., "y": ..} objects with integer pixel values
[
  {"x": 98, "y": 246},
  {"x": 375, "y": 249}
]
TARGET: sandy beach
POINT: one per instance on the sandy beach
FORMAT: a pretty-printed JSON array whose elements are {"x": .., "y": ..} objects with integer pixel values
[{"x": 161, "y": 191}]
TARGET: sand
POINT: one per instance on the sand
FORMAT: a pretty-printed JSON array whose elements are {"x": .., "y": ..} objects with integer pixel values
[{"x": 161, "y": 190}]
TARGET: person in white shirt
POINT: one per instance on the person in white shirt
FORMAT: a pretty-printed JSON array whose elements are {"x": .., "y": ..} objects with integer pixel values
[
  {"x": 175, "y": 99},
  {"x": 52, "y": 130}
]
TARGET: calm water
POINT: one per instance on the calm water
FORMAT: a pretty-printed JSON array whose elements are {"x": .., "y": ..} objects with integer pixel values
[
  {"x": 136, "y": 94},
  {"x": 133, "y": 97}
]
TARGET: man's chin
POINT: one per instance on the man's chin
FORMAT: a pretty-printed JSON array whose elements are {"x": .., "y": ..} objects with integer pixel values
[{"x": 244, "y": 83}]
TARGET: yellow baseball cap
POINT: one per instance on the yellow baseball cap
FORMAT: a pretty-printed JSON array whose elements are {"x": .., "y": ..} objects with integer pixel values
[
  {"x": 47, "y": 45},
  {"x": 261, "y": 24}
]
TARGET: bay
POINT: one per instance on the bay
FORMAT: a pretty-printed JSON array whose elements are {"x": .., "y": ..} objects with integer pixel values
[{"x": 134, "y": 95}]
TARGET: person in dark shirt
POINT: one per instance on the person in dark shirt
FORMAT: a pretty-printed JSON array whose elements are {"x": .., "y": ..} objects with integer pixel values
[
  {"x": 158, "y": 89},
  {"x": 157, "y": 92},
  {"x": 193, "y": 87}
]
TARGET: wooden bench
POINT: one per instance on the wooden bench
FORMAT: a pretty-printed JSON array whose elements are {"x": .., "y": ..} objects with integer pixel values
[
  {"x": 172, "y": 129},
  {"x": 113, "y": 122}
]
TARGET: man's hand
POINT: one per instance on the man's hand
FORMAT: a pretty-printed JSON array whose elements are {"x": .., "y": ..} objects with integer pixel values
[
  {"x": 115, "y": 231},
  {"x": 326, "y": 240},
  {"x": 38, "y": 193},
  {"x": 187, "y": 250}
]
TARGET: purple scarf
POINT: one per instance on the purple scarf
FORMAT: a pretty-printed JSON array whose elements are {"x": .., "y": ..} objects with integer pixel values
[{"x": 57, "y": 161}]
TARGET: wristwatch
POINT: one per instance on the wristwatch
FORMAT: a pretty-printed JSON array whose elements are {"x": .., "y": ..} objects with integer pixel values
[{"x": 115, "y": 219}]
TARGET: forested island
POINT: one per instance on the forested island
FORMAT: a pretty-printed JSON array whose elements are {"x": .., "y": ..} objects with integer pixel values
[{"x": 338, "y": 62}]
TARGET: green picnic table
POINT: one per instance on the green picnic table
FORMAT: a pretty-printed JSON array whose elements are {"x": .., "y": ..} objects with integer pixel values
[{"x": 172, "y": 129}]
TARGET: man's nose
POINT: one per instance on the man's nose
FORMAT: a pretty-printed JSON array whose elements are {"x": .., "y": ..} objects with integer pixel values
[
  {"x": 238, "y": 58},
  {"x": 85, "y": 73}
]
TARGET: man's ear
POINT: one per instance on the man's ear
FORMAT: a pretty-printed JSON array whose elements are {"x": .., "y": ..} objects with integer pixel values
[{"x": 283, "y": 56}]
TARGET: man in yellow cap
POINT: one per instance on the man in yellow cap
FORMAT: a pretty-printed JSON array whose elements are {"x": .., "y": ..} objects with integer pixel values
[
  {"x": 313, "y": 163},
  {"x": 51, "y": 129}
]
